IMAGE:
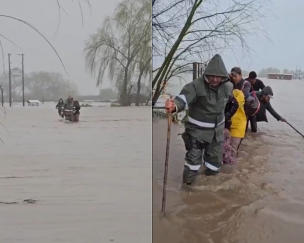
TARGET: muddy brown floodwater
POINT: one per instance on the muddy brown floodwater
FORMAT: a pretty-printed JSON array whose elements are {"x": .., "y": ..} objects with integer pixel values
[
  {"x": 92, "y": 179},
  {"x": 261, "y": 199}
]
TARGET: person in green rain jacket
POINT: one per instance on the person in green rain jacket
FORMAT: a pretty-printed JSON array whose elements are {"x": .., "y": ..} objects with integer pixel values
[{"x": 205, "y": 98}]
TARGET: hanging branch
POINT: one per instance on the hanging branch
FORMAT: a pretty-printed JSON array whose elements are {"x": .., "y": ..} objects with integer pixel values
[
  {"x": 37, "y": 31},
  {"x": 187, "y": 31}
]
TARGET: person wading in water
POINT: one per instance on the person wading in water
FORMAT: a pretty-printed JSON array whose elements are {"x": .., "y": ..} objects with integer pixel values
[
  {"x": 69, "y": 104},
  {"x": 257, "y": 85},
  {"x": 245, "y": 87},
  {"x": 205, "y": 98},
  {"x": 59, "y": 106},
  {"x": 236, "y": 129},
  {"x": 77, "y": 110},
  {"x": 264, "y": 97},
  {"x": 230, "y": 110}
]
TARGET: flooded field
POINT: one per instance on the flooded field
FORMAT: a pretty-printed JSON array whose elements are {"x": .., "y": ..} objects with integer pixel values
[
  {"x": 87, "y": 182},
  {"x": 261, "y": 199}
]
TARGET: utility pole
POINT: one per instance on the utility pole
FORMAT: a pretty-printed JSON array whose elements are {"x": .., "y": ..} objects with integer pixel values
[
  {"x": 23, "y": 101},
  {"x": 2, "y": 99},
  {"x": 15, "y": 75},
  {"x": 9, "y": 80}
]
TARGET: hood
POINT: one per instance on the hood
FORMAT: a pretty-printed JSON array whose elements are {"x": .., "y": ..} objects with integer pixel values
[
  {"x": 239, "y": 96},
  {"x": 267, "y": 91},
  {"x": 216, "y": 67}
]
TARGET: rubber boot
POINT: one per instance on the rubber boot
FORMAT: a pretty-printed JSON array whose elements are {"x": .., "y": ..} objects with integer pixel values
[
  {"x": 190, "y": 177},
  {"x": 209, "y": 172},
  {"x": 253, "y": 124}
]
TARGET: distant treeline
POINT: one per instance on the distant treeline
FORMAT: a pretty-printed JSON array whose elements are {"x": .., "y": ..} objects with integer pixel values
[
  {"x": 43, "y": 86},
  {"x": 51, "y": 86},
  {"x": 108, "y": 94},
  {"x": 104, "y": 95}
]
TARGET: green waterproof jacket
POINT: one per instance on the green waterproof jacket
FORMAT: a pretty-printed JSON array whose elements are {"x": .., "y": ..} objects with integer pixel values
[
  {"x": 69, "y": 105},
  {"x": 206, "y": 105}
]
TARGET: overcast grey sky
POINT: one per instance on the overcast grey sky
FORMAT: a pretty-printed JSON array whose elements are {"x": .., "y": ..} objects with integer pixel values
[
  {"x": 284, "y": 24},
  {"x": 285, "y": 28},
  {"x": 69, "y": 40}
]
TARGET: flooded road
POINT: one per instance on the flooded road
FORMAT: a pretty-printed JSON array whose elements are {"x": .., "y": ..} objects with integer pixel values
[
  {"x": 261, "y": 199},
  {"x": 91, "y": 179}
]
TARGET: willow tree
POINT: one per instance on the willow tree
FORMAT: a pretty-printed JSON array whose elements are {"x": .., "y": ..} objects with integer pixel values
[
  {"x": 144, "y": 70},
  {"x": 143, "y": 63},
  {"x": 115, "y": 48},
  {"x": 187, "y": 31}
]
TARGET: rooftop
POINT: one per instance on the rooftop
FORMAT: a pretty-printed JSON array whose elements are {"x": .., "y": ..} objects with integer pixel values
[
  {"x": 33, "y": 101},
  {"x": 281, "y": 73}
]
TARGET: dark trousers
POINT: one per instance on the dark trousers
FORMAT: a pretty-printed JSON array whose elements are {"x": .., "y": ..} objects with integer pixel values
[
  {"x": 197, "y": 151},
  {"x": 253, "y": 124}
]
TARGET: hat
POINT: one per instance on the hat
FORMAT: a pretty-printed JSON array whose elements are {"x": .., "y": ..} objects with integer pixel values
[
  {"x": 236, "y": 70},
  {"x": 267, "y": 91}
]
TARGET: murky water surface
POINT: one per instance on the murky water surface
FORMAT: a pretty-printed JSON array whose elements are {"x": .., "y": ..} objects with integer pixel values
[
  {"x": 91, "y": 179},
  {"x": 261, "y": 199}
]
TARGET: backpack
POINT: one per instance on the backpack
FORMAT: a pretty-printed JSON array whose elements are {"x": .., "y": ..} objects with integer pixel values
[{"x": 251, "y": 107}]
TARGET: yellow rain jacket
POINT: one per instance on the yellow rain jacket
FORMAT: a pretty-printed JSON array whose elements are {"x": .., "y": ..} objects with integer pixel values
[{"x": 239, "y": 119}]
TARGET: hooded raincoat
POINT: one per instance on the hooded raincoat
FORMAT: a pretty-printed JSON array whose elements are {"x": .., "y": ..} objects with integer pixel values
[
  {"x": 206, "y": 118},
  {"x": 239, "y": 119}
]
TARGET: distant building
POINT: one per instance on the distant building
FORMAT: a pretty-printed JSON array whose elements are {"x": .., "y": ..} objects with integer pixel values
[
  {"x": 33, "y": 102},
  {"x": 280, "y": 76}
]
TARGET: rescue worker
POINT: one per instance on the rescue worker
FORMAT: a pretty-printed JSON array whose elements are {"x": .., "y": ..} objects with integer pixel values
[
  {"x": 60, "y": 103},
  {"x": 77, "y": 110},
  {"x": 205, "y": 98},
  {"x": 264, "y": 97},
  {"x": 256, "y": 84},
  {"x": 69, "y": 104},
  {"x": 60, "y": 106}
]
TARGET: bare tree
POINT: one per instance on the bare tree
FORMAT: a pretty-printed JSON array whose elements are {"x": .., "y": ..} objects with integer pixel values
[
  {"x": 118, "y": 43},
  {"x": 187, "y": 31}
]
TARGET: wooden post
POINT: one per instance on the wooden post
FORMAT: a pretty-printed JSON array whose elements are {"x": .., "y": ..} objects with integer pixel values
[
  {"x": 23, "y": 101},
  {"x": 9, "y": 80},
  {"x": 2, "y": 98},
  {"x": 195, "y": 70}
]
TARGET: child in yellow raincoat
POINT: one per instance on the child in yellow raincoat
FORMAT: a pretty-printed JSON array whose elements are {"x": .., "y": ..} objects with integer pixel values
[
  {"x": 235, "y": 125},
  {"x": 238, "y": 121},
  {"x": 228, "y": 152}
]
